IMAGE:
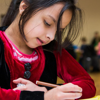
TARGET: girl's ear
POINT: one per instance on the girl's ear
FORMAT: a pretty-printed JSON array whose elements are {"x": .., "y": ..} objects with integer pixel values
[{"x": 22, "y": 7}]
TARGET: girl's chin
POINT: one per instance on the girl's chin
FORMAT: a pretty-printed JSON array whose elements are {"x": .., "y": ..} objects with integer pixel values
[{"x": 35, "y": 46}]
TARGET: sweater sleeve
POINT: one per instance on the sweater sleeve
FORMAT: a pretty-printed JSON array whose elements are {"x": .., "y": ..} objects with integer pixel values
[
  {"x": 71, "y": 71},
  {"x": 28, "y": 95},
  {"x": 20, "y": 95},
  {"x": 9, "y": 94}
]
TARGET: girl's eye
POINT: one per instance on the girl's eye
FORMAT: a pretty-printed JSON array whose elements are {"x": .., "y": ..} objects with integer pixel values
[{"x": 46, "y": 23}]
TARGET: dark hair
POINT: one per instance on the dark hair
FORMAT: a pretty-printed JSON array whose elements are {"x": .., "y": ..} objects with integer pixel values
[
  {"x": 62, "y": 38},
  {"x": 11, "y": 13},
  {"x": 96, "y": 32},
  {"x": 83, "y": 39}
]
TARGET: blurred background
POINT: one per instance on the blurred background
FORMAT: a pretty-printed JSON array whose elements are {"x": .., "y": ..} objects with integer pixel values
[{"x": 86, "y": 48}]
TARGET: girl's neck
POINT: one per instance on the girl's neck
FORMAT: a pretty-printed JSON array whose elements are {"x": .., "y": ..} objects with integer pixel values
[{"x": 13, "y": 33}]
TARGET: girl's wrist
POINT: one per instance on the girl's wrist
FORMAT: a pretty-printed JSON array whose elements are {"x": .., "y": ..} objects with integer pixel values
[{"x": 43, "y": 89}]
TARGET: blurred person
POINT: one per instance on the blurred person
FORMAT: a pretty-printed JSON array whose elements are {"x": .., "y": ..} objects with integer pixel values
[
  {"x": 97, "y": 48},
  {"x": 88, "y": 57},
  {"x": 84, "y": 44},
  {"x": 95, "y": 39},
  {"x": 82, "y": 49}
]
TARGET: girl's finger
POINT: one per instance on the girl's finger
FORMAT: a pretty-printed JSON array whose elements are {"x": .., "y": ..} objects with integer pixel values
[
  {"x": 70, "y": 99},
  {"x": 20, "y": 80},
  {"x": 65, "y": 96},
  {"x": 70, "y": 88},
  {"x": 22, "y": 88}
]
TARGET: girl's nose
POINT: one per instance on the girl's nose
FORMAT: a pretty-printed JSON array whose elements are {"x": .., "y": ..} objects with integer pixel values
[{"x": 50, "y": 36}]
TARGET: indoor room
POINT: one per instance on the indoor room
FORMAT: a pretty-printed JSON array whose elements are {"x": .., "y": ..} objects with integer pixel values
[{"x": 86, "y": 47}]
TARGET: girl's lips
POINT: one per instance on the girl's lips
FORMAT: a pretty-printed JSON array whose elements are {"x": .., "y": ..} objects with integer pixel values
[{"x": 40, "y": 42}]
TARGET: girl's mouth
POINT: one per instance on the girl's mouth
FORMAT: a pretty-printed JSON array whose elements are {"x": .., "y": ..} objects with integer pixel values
[{"x": 40, "y": 42}]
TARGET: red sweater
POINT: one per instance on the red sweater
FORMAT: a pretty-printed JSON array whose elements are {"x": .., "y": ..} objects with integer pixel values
[{"x": 67, "y": 68}]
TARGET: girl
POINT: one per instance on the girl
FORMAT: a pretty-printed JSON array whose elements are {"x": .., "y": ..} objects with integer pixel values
[{"x": 31, "y": 24}]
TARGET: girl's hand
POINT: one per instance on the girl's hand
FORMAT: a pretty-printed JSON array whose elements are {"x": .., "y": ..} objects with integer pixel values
[
  {"x": 28, "y": 85},
  {"x": 64, "y": 92}
]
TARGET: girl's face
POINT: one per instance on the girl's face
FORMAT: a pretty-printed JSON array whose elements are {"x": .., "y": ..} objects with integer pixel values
[{"x": 41, "y": 27}]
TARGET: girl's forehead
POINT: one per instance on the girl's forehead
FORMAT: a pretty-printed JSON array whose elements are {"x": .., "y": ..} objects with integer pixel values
[{"x": 66, "y": 18}]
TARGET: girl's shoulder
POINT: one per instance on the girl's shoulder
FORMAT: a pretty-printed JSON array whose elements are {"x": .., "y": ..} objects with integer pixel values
[{"x": 63, "y": 52}]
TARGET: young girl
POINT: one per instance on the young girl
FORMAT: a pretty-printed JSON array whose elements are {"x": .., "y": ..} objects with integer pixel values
[{"x": 29, "y": 25}]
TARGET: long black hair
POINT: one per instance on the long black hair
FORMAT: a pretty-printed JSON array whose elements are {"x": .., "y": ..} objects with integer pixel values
[{"x": 62, "y": 38}]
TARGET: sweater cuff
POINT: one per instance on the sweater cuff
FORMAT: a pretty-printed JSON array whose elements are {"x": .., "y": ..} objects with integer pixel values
[{"x": 28, "y": 95}]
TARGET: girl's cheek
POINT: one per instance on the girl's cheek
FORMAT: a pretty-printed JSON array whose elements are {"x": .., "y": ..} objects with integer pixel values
[{"x": 39, "y": 31}]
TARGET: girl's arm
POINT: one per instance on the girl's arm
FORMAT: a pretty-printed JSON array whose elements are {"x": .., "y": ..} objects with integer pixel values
[
  {"x": 11, "y": 94},
  {"x": 70, "y": 71},
  {"x": 64, "y": 92}
]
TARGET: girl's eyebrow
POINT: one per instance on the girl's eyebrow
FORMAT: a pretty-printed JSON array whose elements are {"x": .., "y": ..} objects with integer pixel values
[{"x": 52, "y": 18}]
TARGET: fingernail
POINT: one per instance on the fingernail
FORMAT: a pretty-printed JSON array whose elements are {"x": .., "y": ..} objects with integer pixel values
[{"x": 79, "y": 96}]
